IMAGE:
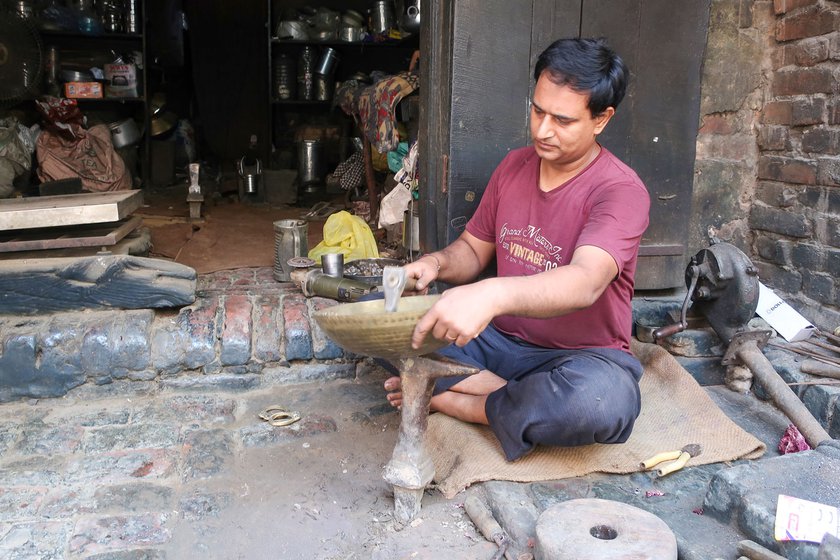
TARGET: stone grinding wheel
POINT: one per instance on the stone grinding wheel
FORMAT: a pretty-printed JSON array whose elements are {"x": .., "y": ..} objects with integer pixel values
[{"x": 595, "y": 529}]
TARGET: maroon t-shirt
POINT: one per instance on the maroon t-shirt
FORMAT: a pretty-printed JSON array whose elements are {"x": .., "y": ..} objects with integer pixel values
[{"x": 606, "y": 205}]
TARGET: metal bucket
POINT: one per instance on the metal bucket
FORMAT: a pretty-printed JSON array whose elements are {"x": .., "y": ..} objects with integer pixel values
[
  {"x": 310, "y": 164},
  {"x": 249, "y": 174},
  {"x": 290, "y": 240}
]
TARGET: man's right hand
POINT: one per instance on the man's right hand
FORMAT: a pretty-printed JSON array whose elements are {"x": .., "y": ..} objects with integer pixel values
[{"x": 421, "y": 273}]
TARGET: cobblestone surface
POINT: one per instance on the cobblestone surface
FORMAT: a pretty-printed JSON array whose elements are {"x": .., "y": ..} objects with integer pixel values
[{"x": 182, "y": 472}]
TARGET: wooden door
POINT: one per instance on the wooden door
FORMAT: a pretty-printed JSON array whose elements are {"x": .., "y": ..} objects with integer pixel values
[{"x": 476, "y": 76}]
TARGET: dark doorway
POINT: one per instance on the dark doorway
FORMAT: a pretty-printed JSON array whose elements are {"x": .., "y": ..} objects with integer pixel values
[{"x": 485, "y": 113}]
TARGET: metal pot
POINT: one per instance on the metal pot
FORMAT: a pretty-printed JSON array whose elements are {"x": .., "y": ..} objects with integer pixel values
[
  {"x": 292, "y": 29},
  {"x": 124, "y": 133}
]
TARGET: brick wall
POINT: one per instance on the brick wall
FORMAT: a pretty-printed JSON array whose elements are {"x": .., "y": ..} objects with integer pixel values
[{"x": 768, "y": 158}]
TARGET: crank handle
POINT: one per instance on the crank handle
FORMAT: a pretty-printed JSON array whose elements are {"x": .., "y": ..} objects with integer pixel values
[{"x": 668, "y": 330}]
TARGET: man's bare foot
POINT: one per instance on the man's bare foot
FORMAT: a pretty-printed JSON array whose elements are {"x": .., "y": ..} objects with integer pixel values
[{"x": 394, "y": 396}]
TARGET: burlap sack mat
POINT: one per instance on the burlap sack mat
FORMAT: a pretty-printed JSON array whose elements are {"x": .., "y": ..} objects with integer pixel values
[{"x": 676, "y": 411}]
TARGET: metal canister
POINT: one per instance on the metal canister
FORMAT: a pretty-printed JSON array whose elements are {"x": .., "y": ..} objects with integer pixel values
[
  {"x": 132, "y": 16},
  {"x": 310, "y": 166},
  {"x": 306, "y": 73},
  {"x": 284, "y": 78},
  {"x": 51, "y": 70},
  {"x": 327, "y": 63},
  {"x": 324, "y": 86},
  {"x": 381, "y": 16}
]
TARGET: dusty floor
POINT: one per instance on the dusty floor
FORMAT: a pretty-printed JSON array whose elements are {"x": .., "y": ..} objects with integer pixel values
[
  {"x": 175, "y": 473},
  {"x": 231, "y": 233}
]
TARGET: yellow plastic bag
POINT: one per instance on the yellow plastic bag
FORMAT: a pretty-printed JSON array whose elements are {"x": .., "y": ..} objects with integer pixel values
[{"x": 347, "y": 234}]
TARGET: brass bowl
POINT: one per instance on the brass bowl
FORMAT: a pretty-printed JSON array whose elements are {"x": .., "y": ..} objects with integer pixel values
[{"x": 364, "y": 327}]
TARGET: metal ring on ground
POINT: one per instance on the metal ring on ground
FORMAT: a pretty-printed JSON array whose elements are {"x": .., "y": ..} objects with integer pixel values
[{"x": 279, "y": 416}]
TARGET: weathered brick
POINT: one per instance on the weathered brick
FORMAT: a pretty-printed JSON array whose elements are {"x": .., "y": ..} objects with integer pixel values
[
  {"x": 821, "y": 140},
  {"x": 779, "y": 221},
  {"x": 719, "y": 123},
  {"x": 803, "y": 81},
  {"x": 96, "y": 346},
  {"x": 811, "y": 196},
  {"x": 268, "y": 335},
  {"x": 205, "y": 453},
  {"x": 92, "y": 535},
  {"x": 322, "y": 347},
  {"x": 784, "y": 6},
  {"x": 773, "y": 138},
  {"x": 807, "y": 52},
  {"x": 732, "y": 146},
  {"x": 768, "y": 249},
  {"x": 200, "y": 324},
  {"x": 817, "y": 286},
  {"x": 834, "y": 111},
  {"x": 787, "y": 169},
  {"x": 133, "y": 497},
  {"x": 777, "y": 112},
  {"x": 833, "y": 233},
  {"x": 778, "y": 278},
  {"x": 806, "y": 256},
  {"x": 236, "y": 331},
  {"x": 810, "y": 110},
  {"x": 828, "y": 170},
  {"x": 774, "y": 194},
  {"x": 834, "y": 201},
  {"x": 131, "y": 339},
  {"x": 130, "y": 436},
  {"x": 832, "y": 262},
  {"x": 811, "y": 21},
  {"x": 297, "y": 332}
]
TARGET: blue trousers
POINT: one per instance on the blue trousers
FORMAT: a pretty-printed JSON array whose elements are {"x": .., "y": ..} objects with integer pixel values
[{"x": 553, "y": 397}]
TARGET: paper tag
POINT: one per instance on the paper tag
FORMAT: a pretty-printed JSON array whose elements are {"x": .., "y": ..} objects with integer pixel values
[
  {"x": 801, "y": 520},
  {"x": 782, "y": 317}
]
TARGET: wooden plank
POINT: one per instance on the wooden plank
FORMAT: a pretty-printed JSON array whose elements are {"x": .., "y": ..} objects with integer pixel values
[
  {"x": 33, "y": 286},
  {"x": 135, "y": 243},
  {"x": 68, "y": 209},
  {"x": 72, "y": 236}
]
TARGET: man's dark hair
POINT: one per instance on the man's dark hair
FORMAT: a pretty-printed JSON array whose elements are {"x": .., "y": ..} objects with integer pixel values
[{"x": 587, "y": 66}]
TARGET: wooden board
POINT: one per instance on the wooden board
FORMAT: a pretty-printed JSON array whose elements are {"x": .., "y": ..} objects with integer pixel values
[
  {"x": 68, "y": 209},
  {"x": 70, "y": 236}
]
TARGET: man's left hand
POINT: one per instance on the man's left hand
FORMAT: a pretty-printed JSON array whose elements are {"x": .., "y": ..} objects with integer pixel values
[{"x": 458, "y": 316}]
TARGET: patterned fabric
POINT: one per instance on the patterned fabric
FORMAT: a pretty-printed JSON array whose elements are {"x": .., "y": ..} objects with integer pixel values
[
  {"x": 373, "y": 107},
  {"x": 351, "y": 172}
]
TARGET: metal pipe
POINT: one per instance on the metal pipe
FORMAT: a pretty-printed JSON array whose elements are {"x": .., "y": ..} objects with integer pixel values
[{"x": 751, "y": 356}]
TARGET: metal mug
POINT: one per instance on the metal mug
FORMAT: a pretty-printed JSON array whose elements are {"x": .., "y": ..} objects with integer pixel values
[
  {"x": 333, "y": 264},
  {"x": 290, "y": 240}
]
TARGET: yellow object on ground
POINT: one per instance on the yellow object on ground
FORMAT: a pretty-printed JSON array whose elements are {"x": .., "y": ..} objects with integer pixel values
[{"x": 347, "y": 234}]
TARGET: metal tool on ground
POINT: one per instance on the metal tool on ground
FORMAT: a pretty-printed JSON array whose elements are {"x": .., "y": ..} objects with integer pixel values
[
  {"x": 755, "y": 551},
  {"x": 723, "y": 287},
  {"x": 677, "y": 458},
  {"x": 822, "y": 369},
  {"x": 278, "y": 416},
  {"x": 365, "y": 327},
  {"x": 483, "y": 519}
]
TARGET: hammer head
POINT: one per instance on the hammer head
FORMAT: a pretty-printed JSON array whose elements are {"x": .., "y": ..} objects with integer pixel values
[{"x": 692, "y": 449}]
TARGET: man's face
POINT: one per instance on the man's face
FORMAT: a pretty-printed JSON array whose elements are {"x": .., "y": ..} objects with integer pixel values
[{"x": 562, "y": 128}]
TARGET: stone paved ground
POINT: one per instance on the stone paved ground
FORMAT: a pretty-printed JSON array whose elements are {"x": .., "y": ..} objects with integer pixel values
[
  {"x": 128, "y": 471},
  {"x": 127, "y": 435}
]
